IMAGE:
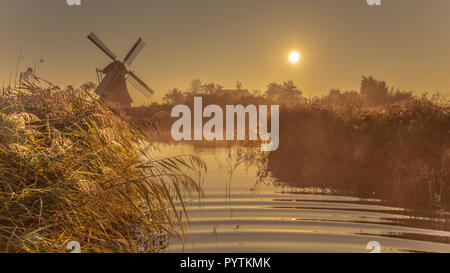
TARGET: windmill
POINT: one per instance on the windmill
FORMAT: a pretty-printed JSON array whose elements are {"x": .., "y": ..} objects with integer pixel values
[{"x": 114, "y": 77}]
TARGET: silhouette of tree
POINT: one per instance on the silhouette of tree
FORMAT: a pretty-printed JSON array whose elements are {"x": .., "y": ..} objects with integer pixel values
[
  {"x": 175, "y": 97},
  {"x": 286, "y": 93},
  {"x": 238, "y": 85},
  {"x": 373, "y": 91}
]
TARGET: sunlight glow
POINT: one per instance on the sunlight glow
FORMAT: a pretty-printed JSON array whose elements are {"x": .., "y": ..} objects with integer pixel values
[{"x": 294, "y": 57}]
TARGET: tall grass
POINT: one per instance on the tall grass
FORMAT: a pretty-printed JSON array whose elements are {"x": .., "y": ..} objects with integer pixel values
[{"x": 74, "y": 169}]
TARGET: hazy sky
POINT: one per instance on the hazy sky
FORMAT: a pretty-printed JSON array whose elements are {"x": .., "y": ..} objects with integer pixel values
[{"x": 405, "y": 42}]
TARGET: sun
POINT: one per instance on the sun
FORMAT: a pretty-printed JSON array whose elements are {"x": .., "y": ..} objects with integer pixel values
[{"x": 294, "y": 57}]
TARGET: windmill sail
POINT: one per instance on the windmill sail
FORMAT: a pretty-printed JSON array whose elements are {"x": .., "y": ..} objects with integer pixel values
[
  {"x": 101, "y": 45},
  {"x": 114, "y": 77},
  {"x": 135, "y": 50},
  {"x": 139, "y": 84}
]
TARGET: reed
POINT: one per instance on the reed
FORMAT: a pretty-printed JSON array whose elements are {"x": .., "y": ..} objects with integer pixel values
[{"x": 75, "y": 169}]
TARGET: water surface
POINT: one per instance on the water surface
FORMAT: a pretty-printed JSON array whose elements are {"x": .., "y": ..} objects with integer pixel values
[{"x": 241, "y": 213}]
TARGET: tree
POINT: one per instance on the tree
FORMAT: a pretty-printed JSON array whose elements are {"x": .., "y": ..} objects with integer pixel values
[
  {"x": 284, "y": 93},
  {"x": 174, "y": 97},
  {"x": 197, "y": 88},
  {"x": 373, "y": 91},
  {"x": 238, "y": 85}
]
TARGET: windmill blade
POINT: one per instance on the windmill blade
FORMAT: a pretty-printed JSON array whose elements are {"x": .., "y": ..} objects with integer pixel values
[
  {"x": 135, "y": 50},
  {"x": 139, "y": 84},
  {"x": 101, "y": 45}
]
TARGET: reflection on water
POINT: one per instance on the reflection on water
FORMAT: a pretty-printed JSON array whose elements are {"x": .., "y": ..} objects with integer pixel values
[{"x": 240, "y": 212}]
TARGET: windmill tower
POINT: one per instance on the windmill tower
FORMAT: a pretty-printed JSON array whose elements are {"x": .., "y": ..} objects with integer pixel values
[{"x": 114, "y": 77}]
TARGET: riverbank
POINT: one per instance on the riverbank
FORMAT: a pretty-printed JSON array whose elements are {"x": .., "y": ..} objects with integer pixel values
[{"x": 74, "y": 169}]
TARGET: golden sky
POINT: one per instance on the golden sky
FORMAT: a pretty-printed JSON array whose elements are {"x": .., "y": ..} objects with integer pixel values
[{"x": 405, "y": 42}]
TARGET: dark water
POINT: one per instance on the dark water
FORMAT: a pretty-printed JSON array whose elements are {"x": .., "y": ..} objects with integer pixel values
[{"x": 243, "y": 214}]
